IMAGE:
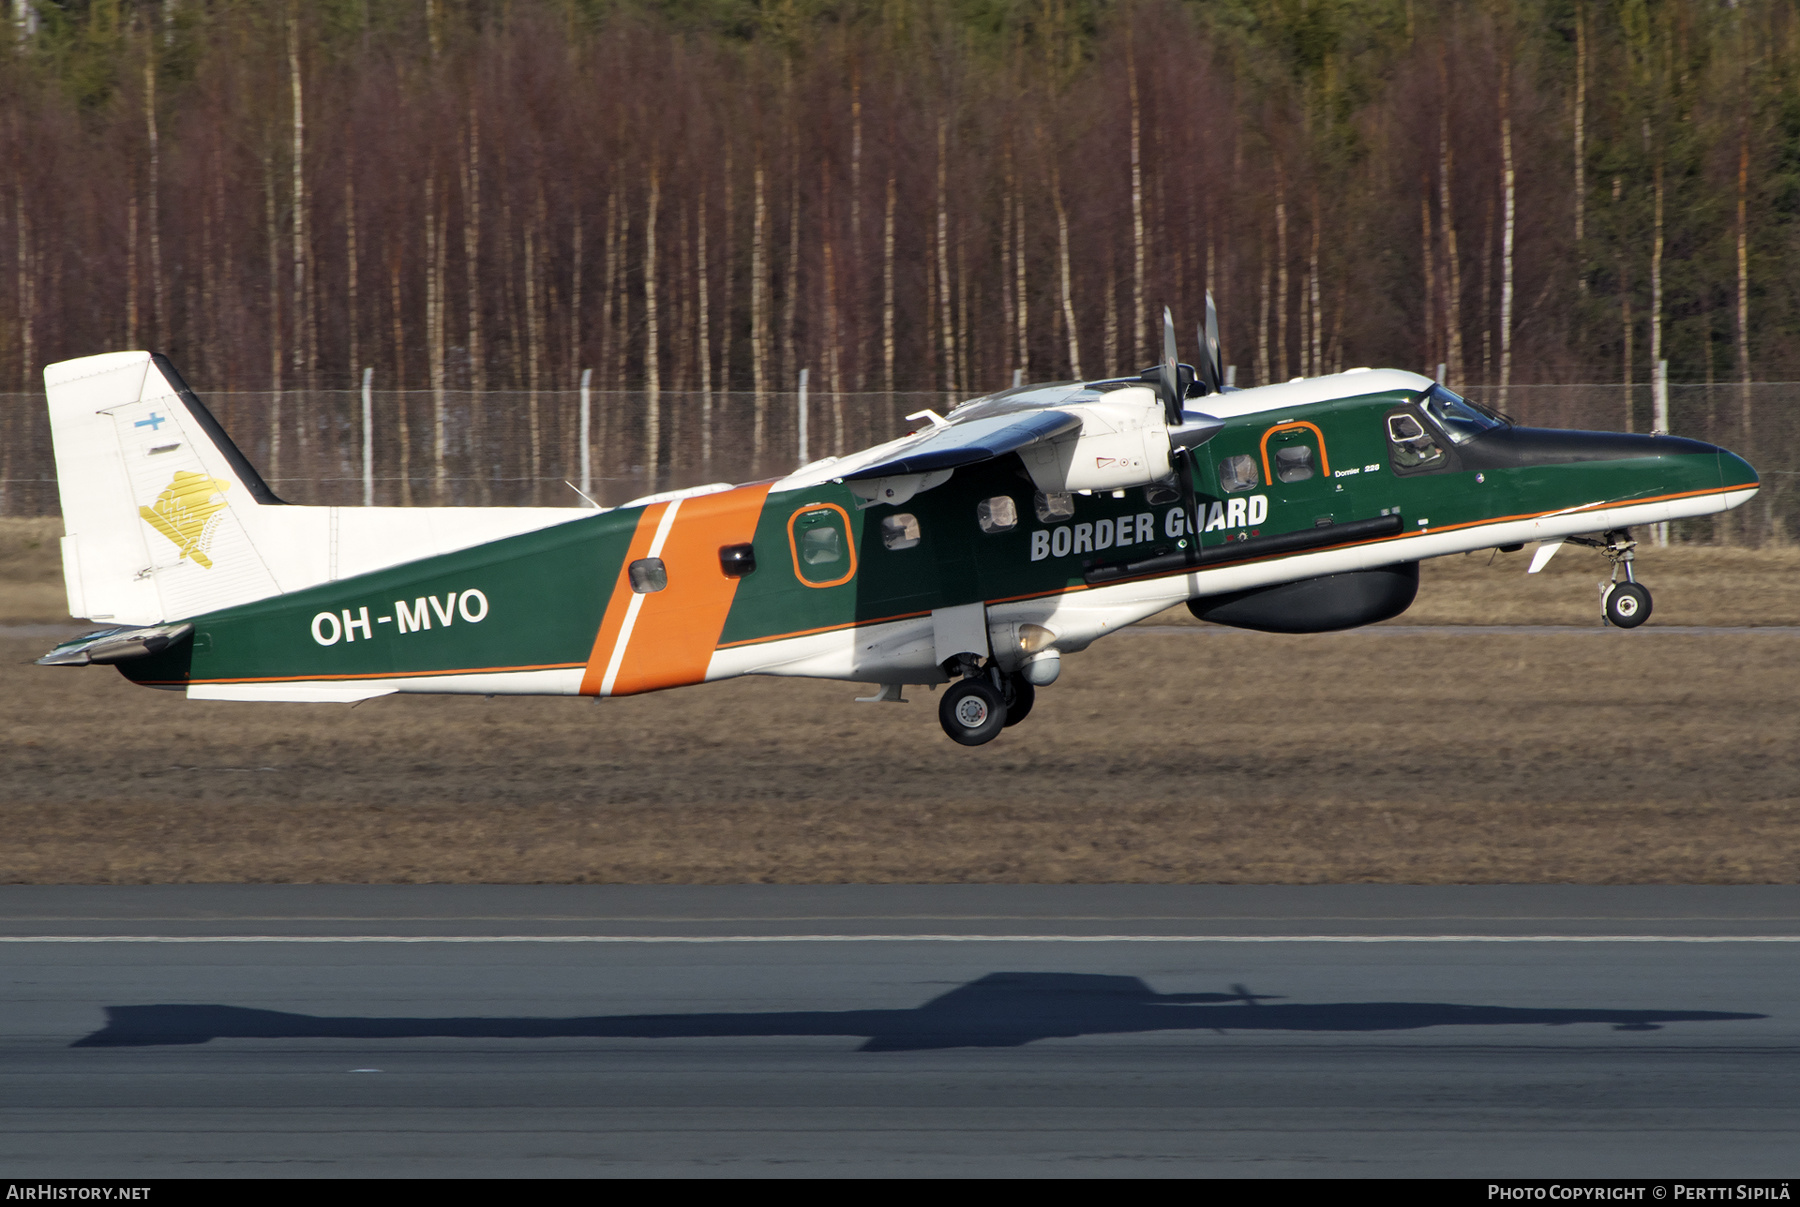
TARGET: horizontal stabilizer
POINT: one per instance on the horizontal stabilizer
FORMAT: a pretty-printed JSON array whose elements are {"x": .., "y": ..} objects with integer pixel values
[
  {"x": 976, "y": 440},
  {"x": 116, "y": 645}
]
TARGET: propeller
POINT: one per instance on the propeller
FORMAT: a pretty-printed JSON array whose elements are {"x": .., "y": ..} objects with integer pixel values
[
  {"x": 1171, "y": 387},
  {"x": 1212, "y": 376}
]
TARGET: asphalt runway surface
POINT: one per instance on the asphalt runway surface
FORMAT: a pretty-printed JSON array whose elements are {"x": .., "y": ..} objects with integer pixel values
[{"x": 498, "y": 1031}]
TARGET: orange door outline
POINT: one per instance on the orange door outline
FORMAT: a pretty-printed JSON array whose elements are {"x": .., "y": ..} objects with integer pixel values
[
  {"x": 849, "y": 542},
  {"x": 1324, "y": 461}
]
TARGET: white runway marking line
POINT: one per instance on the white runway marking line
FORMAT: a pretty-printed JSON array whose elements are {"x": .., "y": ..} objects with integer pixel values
[{"x": 897, "y": 938}]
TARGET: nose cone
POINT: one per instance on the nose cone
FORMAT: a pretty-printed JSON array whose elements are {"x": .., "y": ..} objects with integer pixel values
[{"x": 1735, "y": 473}]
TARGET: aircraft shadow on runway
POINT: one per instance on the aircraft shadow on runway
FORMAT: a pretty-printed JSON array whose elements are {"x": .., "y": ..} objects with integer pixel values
[{"x": 1000, "y": 1010}]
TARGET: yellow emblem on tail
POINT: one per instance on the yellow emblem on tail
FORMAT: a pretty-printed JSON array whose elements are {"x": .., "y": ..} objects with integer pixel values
[{"x": 187, "y": 513}]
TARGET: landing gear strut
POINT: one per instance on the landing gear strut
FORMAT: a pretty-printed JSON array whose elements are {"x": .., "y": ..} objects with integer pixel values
[{"x": 1624, "y": 602}]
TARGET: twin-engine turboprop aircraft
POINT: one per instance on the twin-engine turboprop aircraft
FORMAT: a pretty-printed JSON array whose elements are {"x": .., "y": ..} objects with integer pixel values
[{"x": 976, "y": 551}]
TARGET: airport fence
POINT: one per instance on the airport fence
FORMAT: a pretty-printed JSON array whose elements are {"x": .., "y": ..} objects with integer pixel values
[{"x": 506, "y": 448}]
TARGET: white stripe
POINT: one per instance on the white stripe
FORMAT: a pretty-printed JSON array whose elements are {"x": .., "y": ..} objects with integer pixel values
[
  {"x": 637, "y": 601},
  {"x": 897, "y": 938}
]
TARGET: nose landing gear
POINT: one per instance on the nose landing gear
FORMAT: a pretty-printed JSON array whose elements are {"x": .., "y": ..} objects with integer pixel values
[{"x": 1624, "y": 602}]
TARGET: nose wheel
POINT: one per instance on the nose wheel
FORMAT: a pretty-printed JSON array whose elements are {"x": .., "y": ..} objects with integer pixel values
[
  {"x": 1624, "y": 602},
  {"x": 1627, "y": 605}
]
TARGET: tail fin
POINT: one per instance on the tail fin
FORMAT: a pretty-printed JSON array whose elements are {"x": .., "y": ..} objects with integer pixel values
[
  {"x": 167, "y": 520},
  {"x": 152, "y": 491}
]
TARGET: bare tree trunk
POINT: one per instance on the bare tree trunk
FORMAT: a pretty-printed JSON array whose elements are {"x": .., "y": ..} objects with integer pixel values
[
  {"x": 1062, "y": 249},
  {"x": 403, "y": 425},
  {"x": 727, "y": 317},
  {"x": 652, "y": 354},
  {"x": 1487, "y": 295},
  {"x": 159, "y": 308},
  {"x": 606, "y": 299},
  {"x": 132, "y": 286},
  {"x": 27, "y": 290},
  {"x": 1581, "y": 72},
  {"x": 622, "y": 339},
  {"x": 790, "y": 301},
  {"x": 1006, "y": 259},
  {"x": 436, "y": 301},
  {"x": 471, "y": 240},
  {"x": 576, "y": 331},
  {"x": 1109, "y": 332},
  {"x": 1019, "y": 279},
  {"x": 1425, "y": 254},
  {"x": 299, "y": 218},
  {"x": 1265, "y": 371},
  {"x": 533, "y": 366},
  {"x": 887, "y": 292},
  {"x": 1138, "y": 314},
  {"x": 1509, "y": 186},
  {"x": 1452, "y": 262},
  {"x": 351, "y": 319},
  {"x": 1625, "y": 322},
  {"x": 1281, "y": 277},
  {"x": 1318, "y": 318},
  {"x": 1743, "y": 278},
  {"x": 943, "y": 260},
  {"x": 275, "y": 348},
  {"x": 858, "y": 310},
  {"x": 963, "y": 348},
  {"x": 759, "y": 313},
  {"x": 703, "y": 334},
  {"x": 1656, "y": 293}
]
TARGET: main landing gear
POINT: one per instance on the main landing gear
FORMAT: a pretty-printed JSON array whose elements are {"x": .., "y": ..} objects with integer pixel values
[
  {"x": 986, "y": 700},
  {"x": 1624, "y": 602}
]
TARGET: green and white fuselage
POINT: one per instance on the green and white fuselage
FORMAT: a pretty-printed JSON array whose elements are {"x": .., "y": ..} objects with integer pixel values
[{"x": 913, "y": 576}]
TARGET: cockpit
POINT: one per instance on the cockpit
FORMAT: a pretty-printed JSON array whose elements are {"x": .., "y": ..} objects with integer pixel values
[{"x": 1461, "y": 419}]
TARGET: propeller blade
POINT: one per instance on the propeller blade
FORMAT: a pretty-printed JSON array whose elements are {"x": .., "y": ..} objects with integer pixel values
[
  {"x": 1171, "y": 371},
  {"x": 1212, "y": 374}
]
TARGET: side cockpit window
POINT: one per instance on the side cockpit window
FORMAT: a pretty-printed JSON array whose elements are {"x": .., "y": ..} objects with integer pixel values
[{"x": 1410, "y": 446}]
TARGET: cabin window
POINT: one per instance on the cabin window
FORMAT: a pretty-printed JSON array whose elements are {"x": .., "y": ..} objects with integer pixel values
[
  {"x": 1238, "y": 473},
  {"x": 1294, "y": 463},
  {"x": 821, "y": 547},
  {"x": 1053, "y": 505},
  {"x": 648, "y": 575},
  {"x": 820, "y": 539},
  {"x": 737, "y": 560},
  {"x": 899, "y": 531},
  {"x": 1411, "y": 445},
  {"x": 997, "y": 514}
]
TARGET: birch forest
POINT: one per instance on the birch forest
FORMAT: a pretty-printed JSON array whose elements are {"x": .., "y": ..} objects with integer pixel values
[{"x": 687, "y": 204}]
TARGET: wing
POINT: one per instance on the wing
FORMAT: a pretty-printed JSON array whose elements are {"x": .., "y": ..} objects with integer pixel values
[{"x": 970, "y": 441}]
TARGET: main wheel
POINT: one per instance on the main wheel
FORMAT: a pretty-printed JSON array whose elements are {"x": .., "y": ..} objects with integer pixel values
[
  {"x": 1019, "y": 696},
  {"x": 972, "y": 712},
  {"x": 1627, "y": 605}
]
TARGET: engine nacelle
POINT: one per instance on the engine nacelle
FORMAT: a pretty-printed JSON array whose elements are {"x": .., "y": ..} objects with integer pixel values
[
  {"x": 1123, "y": 441},
  {"x": 1316, "y": 605}
]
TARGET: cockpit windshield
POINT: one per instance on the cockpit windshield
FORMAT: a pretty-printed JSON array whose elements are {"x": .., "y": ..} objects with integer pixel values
[{"x": 1460, "y": 418}]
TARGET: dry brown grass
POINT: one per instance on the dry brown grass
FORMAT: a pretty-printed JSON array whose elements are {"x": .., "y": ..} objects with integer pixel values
[
  {"x": 1221, "y": 757},
  {"x": 1216, "y": 756}
]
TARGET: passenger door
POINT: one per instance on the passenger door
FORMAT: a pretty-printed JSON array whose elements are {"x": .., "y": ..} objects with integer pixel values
[{"x": 1297, "y": 466}]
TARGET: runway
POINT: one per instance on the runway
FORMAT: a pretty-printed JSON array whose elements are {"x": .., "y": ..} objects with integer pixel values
[{"x": 775, "y": 1030}]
